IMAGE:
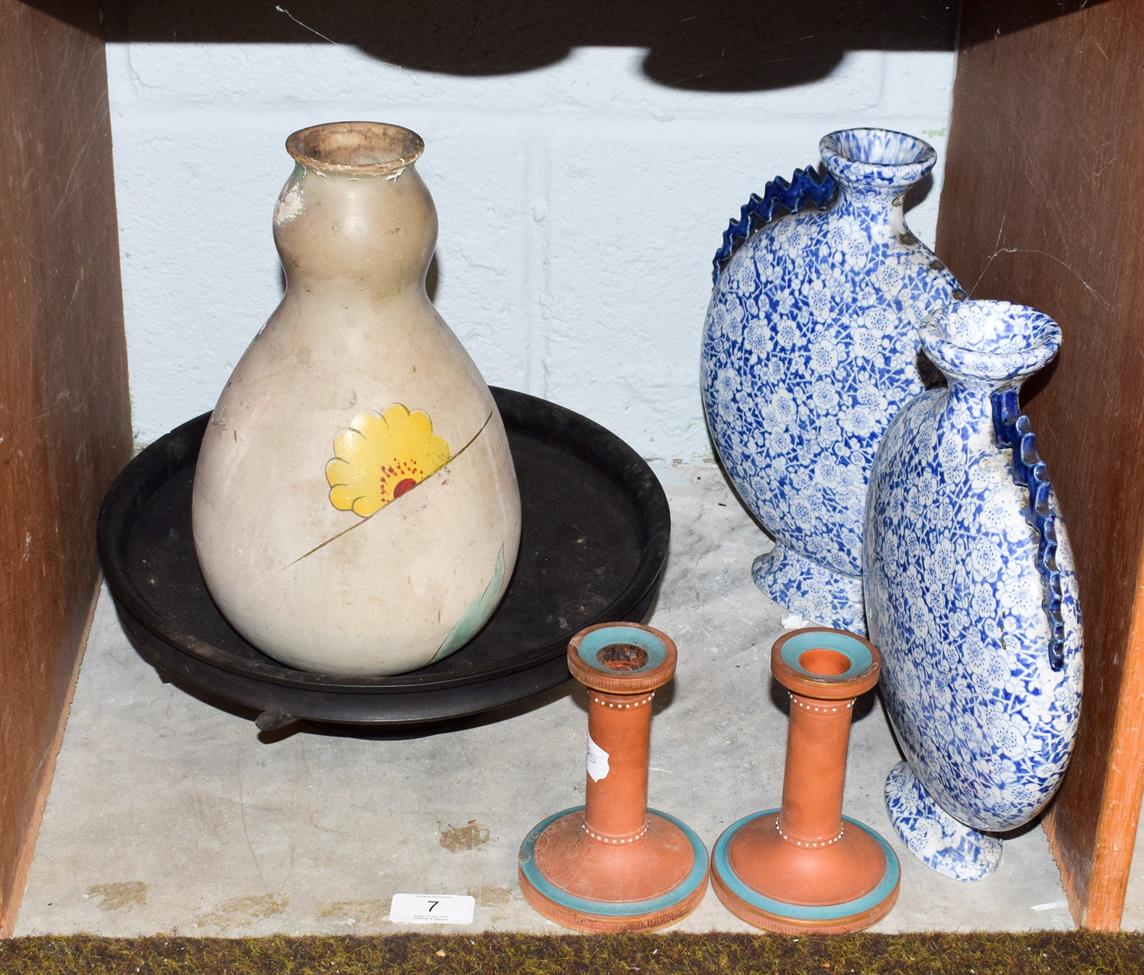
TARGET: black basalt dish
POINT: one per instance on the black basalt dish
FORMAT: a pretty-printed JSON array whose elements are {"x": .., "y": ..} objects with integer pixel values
[{"x": 594, "y": 543}]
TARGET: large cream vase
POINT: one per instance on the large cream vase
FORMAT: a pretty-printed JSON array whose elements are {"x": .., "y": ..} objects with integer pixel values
[{"x": 355, "y": 507}]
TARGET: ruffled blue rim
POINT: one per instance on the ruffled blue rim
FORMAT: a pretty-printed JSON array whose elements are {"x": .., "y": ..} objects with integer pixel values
[
  {"x": 805, "y": 185},
  {"x": 1014, "y": 431}
]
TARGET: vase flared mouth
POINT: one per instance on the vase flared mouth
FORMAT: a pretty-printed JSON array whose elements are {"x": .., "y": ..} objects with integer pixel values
[
  {"x": 990, "y": 340},
  {"x": 876, "y": 158},
  {"x": 355, "y": 148}
]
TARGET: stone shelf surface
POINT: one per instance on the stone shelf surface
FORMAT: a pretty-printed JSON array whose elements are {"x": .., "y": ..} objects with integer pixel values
[{"x": 169, "y": 815}]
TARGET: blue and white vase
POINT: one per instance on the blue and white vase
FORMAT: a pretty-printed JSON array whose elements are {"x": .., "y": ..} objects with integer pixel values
[
  {"x": 809, "y": 351},
  {"x": 971, "y": 595}
]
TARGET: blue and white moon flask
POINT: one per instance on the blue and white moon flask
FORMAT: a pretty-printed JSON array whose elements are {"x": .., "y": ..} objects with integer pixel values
[
  {"x": 971, "y": 595},
  {"x": 810, "y": 348}
]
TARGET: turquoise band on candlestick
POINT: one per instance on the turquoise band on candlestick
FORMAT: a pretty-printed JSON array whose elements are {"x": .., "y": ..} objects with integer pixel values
[
  {"x": 592, "y": 643},
  {"x": 852, "y": 649},
  {"x": 721, "y": 865},
  {"x": 557, "y": 895}
]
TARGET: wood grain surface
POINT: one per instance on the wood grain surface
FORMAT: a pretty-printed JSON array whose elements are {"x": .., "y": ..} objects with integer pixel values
[
  {"x": 1043, "y": 204},
  {"x": 64, "y": 418}
]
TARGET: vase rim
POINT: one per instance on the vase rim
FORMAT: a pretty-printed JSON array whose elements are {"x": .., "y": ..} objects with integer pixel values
[
  {"x": 876, "y": 158},
  {"x": 991, "y": 340},
  {"x": 355, "y": 148}
]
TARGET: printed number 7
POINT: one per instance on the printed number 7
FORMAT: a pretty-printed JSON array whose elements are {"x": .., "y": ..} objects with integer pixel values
[{"x": 433, "y": 904}]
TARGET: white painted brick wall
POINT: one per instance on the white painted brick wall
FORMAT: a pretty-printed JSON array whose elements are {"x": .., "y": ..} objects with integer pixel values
[{"x": 580, "y": 206}]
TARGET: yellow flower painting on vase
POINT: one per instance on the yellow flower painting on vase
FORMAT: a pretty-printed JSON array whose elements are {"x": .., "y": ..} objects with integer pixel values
[{"x": 381, "y": 456}]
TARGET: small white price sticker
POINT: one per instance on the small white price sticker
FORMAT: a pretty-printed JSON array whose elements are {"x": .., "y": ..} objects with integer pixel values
[
  {"x": 597, "y": 761},
  {"x": 432, "y": 909}
]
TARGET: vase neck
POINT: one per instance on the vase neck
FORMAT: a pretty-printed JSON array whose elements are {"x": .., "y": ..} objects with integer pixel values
[
  {"x": 354, "y": 215},
  {"x": 873, "y": 207},
  {"x": 971, "y": 400},
  {"x": 874, "y": 168}
]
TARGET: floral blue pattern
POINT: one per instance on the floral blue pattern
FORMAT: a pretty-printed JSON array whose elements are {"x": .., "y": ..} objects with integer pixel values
[
  {"x": 981, "y": 659},
  {"x": 809, "y": 350},
  {"x": 933, "y": 835}
]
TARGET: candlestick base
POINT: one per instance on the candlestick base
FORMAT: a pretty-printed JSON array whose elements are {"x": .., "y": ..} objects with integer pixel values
[
  {"x": 767, "y": 880},
  {"x": 593, "y": 885}
]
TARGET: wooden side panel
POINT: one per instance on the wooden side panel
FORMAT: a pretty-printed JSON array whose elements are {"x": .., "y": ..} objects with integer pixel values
[
  {"x": 64, "y": 422},
  {"x": 1044, "y": 204}
]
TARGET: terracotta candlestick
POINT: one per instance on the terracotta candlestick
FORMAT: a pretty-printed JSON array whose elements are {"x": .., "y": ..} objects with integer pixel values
[
  {"x": 806, "y": 867},
  {"x": 613, "y": 864}
]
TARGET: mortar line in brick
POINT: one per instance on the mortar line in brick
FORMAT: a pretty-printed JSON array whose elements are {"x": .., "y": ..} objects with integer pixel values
[{"x": 537, "y": 284}]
